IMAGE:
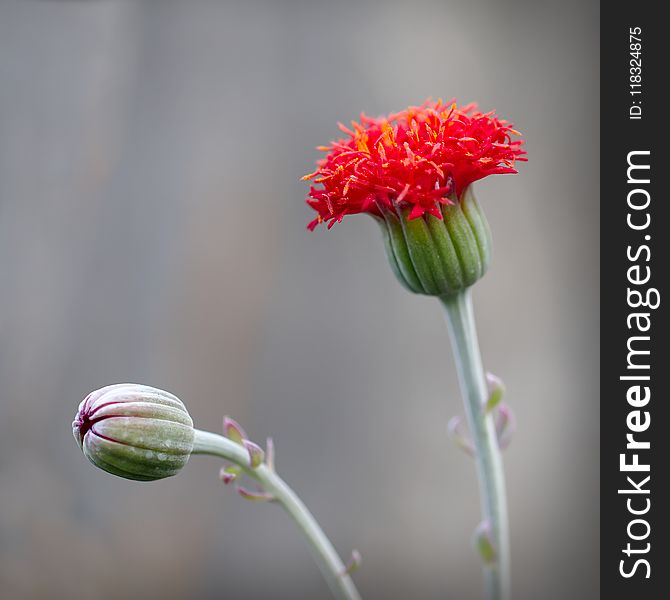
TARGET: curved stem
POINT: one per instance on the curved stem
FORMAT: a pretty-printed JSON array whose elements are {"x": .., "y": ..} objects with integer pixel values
[
  {"x": 332, "y": 568},
  {"x": 461, "y": 321}
]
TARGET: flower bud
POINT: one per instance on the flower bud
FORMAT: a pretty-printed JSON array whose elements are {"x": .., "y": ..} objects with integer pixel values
[
  {"x": 438, "y": 257},
  {"x": 413, "y": 172},
  {"x": 134, "y": 431}
]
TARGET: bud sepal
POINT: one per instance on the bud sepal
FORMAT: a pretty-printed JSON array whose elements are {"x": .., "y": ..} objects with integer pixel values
[{"x": 438, "y": 256}]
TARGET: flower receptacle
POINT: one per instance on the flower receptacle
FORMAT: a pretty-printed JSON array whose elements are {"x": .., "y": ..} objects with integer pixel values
[{"x": 438, "y": 257}]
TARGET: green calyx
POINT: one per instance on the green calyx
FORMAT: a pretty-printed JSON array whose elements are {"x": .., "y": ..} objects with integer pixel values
[{"x": 438, "y": 257}]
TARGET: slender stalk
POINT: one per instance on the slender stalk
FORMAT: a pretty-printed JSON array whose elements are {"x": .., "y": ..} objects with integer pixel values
[
  {"x": 330, "y": 564},
  {"x": 461, "y": 321}
]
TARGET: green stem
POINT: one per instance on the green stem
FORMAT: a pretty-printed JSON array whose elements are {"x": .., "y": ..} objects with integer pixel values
[
  {"x": 332, "y": 568},
  {"x": 461, "y": 321}
]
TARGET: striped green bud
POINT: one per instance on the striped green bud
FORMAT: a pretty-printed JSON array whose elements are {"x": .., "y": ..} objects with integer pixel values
[{"x": 134, "y": 431}]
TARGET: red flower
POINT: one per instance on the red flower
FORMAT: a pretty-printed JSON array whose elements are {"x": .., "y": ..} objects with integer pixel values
[{"x": 418, "y": 157}]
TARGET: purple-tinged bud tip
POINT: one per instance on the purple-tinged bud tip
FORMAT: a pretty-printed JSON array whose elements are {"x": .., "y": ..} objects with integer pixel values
[
  {"x": 229, "y": 474},
  {"x": 233, "y": 431},
  {"x": 505, "y": 423},
  {"x": 259, "y": 496},
  {"x": 256, "y": 454},
  {"x": 353, "y": 564},
  {"x": 456, "y": 431}
]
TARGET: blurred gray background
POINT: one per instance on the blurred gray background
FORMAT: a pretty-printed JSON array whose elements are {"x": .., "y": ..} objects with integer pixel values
[{"x": 152, "y": 229}]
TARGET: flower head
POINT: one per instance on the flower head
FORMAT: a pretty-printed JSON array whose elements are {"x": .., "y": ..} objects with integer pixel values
[
  {"x": 134, "y": 431},
  {"x": 421, "y": 158}
]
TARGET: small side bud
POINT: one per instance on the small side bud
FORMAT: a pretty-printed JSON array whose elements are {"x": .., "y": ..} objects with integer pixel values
[
  {"x": 233, "y": 431},
  {"x": 505, "y": 422},
  {"x": 496, "y": 391},
  {"x": 258, "y": 496},
  {"x": 483, "y": 543},
  {"x": 456, "y": 431},
  {"x": 353, "y": 564},
  {"x": 229, "y": 474},
  {"x": 256, "y": 454}
]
